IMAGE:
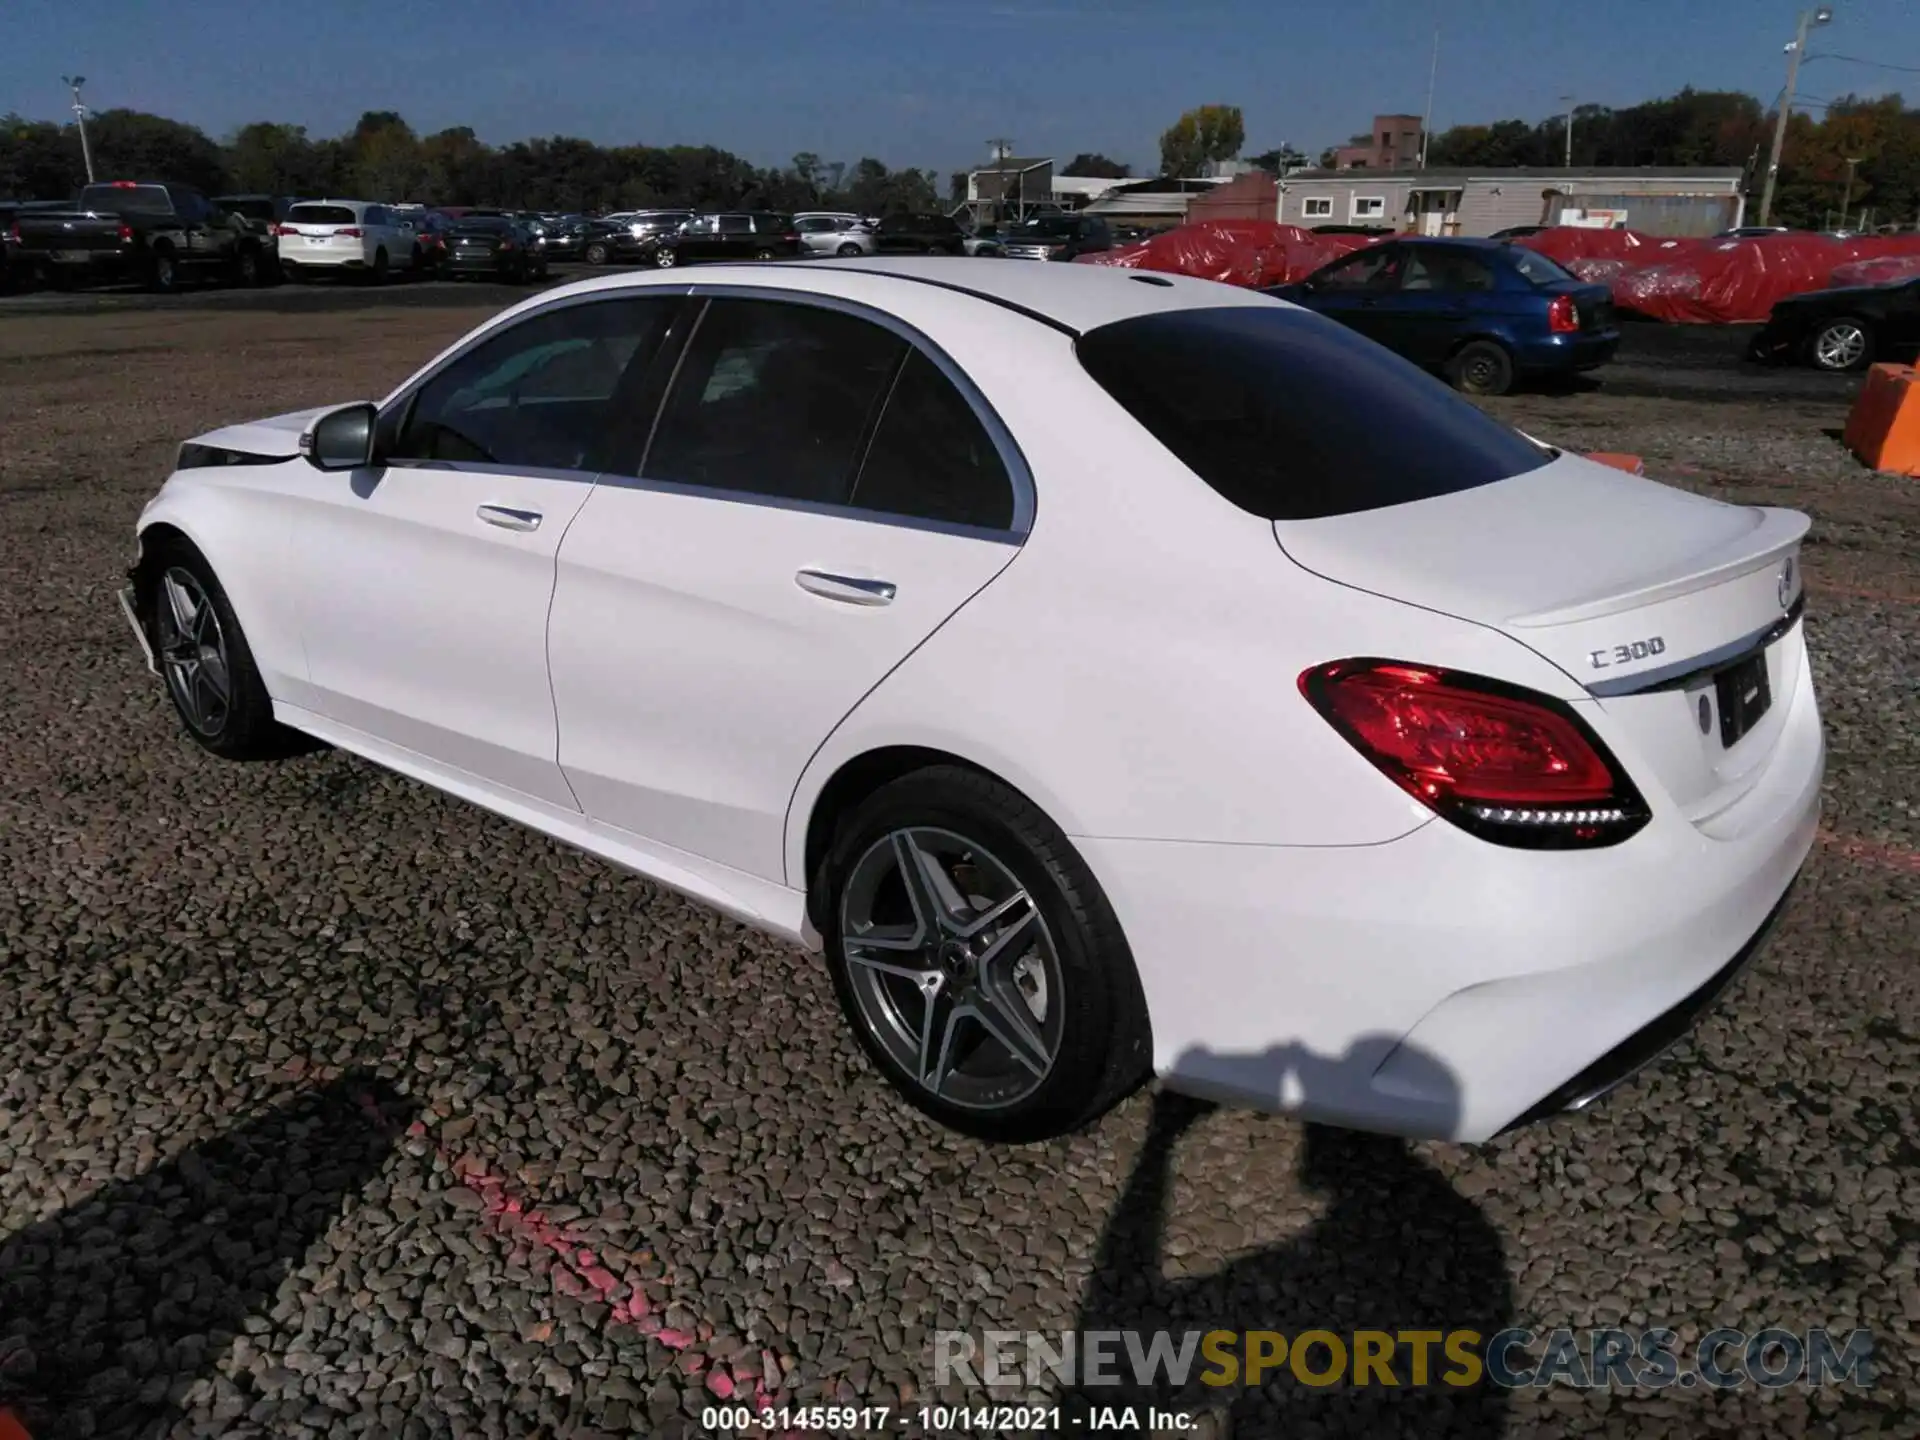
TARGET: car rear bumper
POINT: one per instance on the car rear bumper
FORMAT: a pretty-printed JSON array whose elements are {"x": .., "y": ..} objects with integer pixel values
[
  {"x": 1438, "y": 985},
  {"x": 1565, "y": 353}
]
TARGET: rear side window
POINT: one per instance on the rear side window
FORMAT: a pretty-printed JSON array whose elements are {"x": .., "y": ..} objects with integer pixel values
[
  {"x": 774, "y": 399},
  {"x": 320, "y": 215},
  {"x": 1292, "y": 416},
  {"x": 1538, "y": 268},
  {"x": 931, "y": 458}
]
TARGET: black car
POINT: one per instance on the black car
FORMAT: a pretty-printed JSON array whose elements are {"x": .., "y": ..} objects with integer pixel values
[
  {"x": 914, "y": 234},
  {"x": 597, "y": 242},
  {"x": 1847, "y": 328},
  {"x": 731, "y": 235},
  {"x": 1057, "y": 237},
  {"x": 497, "y": 247}
]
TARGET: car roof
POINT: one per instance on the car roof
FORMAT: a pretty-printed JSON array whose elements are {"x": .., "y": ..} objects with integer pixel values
[{"x": 1073, "y": 298}]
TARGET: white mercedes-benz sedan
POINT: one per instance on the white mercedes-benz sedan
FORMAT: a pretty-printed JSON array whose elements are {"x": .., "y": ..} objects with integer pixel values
[{"x": 1101, "y": 672}]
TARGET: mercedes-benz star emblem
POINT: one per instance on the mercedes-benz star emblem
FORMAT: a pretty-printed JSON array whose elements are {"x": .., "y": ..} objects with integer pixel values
[{"x": 1786, "y": 584}]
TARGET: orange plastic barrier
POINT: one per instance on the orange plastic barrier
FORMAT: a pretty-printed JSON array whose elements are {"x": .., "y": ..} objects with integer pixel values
[
  {"x": 1883, "y": 428},
  {"x": 12, "y": 1429},
  {"x": 1632, "y": 464}
]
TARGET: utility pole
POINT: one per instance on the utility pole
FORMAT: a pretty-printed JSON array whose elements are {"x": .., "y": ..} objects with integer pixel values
[
  {"x": 1795, "y": 49},
  {"x": 1433, "y": 74},
  {"x": 73, "y": 84},
  {"x": 1001, "y": 148},
  {"x": 1569, "y": 100},
  {"x": 1846, "y": 197}
]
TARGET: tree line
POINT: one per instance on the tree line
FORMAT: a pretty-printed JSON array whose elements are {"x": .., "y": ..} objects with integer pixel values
[
  {"x": 383, "y": 158},
  {"x": 1881, "y": 135}
]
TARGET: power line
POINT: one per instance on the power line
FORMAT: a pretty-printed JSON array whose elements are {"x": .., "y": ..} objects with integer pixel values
[{"x": 1876, "y": 64}]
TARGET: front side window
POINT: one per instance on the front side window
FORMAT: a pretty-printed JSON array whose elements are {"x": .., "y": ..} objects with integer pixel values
[
  {"x": 1451, "y": 271},
  {"x": 1375, "y": 268},
  {"x": 774, "y": 399},
  {"x": 931, "y": 458},
  {"x": 541, "y": 393},
  {"x": 1292, "y": 416},
  {"x": 701, "y": 225}
]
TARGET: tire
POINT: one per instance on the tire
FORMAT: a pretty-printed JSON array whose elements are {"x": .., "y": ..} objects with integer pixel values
[
  {"x": 664, "y": 258},
  {"x": 848, "y": 252},
  {"x": 1841, "y": 344},
  {"x": 764, "y": 255},
  {"x": 597, "y": 254},
  {"x": 1481, "y": 367},
  {"x": 186, "y": 611},
  {"x": 1066, "y": 962},
  {"x": 163, "y": 271},
  {"x": 246, "y": 269},
  {"x": 380, "y": 269}
]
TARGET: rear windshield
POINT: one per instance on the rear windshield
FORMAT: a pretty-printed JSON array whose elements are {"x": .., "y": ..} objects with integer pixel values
[
  {"x": 320, "y": 215},
  {"x": 1537, "y": 267},
  {"x": 127, "y": 199},
  {"x": 1292, "y": 416}
]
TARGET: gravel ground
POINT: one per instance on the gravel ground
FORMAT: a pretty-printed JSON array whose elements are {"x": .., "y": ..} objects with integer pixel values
[{"x": 332, "y": 1106}]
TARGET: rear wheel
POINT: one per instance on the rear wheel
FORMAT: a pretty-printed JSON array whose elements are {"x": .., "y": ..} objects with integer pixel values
[
  {"x": 246, "y": 268},
  {"x": 211, "y": 678},
  {"x": 1844, "y": 343},
  {"x": 1481, "y": 367},
  {"x": 849, "y": 250},
  {"x": 763, "y": 255},
  {"x": 665, "y": 258},
  {"x": 163, "y": 271},
  {"x": 380, "y": 267},
  {"x": 979, "y": 963},
  {"x": 597, "y": 254}
]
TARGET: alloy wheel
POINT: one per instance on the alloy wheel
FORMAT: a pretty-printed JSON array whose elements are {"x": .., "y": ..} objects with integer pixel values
[
  {"x": 952, "y": 968},
  {"x": 1840, "y": 346},
  {"x": 193, "y": 650}
]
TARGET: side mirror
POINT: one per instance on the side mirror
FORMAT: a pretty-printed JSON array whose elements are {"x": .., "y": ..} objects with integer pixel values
[{"x": 341, "y": 439}]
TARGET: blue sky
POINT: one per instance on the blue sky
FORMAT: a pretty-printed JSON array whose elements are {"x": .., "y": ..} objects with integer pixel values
[{"x": 913, "y": 82}]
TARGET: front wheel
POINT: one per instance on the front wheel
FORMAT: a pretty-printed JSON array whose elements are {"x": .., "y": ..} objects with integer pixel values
[
  {"x": 977, "y": 960},
  {"x": 849, "y": 251},
  {"x": 1841, "y": 344},
  {"x": 664, "y": 258},
  {"x": 247, "y": 269},
  {"x": 163, "y": 272},
  {"x": 215, "y": 687},
  {"x": 763, "y": 255},
  {"x": 380, "y": 266},
  {"x": 1481, "y": 368},
  {"x": 597, "y": 254}
]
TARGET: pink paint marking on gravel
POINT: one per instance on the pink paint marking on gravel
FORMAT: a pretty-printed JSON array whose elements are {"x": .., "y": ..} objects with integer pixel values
[
  {"x": 577, "y": 1270},
  {"x": 1875, "y": 852}
]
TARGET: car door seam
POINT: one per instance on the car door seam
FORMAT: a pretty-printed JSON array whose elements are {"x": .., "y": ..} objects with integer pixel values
[
  {"x": 546, "y": 635},
  {"x": 786, "y": 829}
]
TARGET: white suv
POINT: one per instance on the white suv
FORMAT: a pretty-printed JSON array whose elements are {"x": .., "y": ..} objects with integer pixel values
[{"x": 336, "y": 235}]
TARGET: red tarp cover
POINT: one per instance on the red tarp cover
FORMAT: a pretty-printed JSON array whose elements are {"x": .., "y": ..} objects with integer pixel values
[
  {"x": 1254, "y": 253},
  {"x": 1720, "y": 282}
]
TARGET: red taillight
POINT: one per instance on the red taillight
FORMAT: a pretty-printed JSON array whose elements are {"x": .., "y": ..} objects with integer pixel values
[
  {"x": 1507, "y": 764},
  {"x": 352, "y": 232},
  {"x": 126, "y": 233},
  {"x": 506, "y": 244},
  {"x": 284, "y": 230},
  {"x": 125, "y": 184},
  {"x": 1561, "y": 319}
]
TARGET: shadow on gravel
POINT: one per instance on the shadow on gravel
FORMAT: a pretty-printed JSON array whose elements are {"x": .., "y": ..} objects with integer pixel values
[
  {"x": 1397, "y": 1249},
  {"x": 112, "y": 1308}
]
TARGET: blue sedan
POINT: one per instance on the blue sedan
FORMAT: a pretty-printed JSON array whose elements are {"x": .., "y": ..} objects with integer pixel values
[{"x": 1482, "y": 312}]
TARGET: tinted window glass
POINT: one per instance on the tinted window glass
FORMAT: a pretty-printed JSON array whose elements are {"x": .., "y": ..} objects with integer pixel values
[
  {"x": 1292, "y": 416},
  {"x": 1537, "y": 267},
  {"x": 1432, "y": 268},
  {"x": 539, "y": 394},
  {"x": 931, "y": 458},
  {"x": 1372, "y": 269},
  {"x": 774, "y": 399},
  {"x": 320, "y": 215},
  {"x": 735, "y": 225}
]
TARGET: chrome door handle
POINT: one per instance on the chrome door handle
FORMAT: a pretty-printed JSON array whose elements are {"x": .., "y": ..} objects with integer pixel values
[
  {"x": 849, "y": 589},
  {"x": 509, "y": 519}
]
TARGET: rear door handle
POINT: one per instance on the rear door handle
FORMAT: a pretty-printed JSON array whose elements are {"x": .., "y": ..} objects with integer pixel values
[
  {"x": 509, "y": 519},
  {"x": 848, "y": 589}
]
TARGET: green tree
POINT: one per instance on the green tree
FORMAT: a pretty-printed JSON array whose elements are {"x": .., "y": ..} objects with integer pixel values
[
  {"x": 1207, "y": 133},
  {"x": 39, "y": 160},
  {"x": 1098, "y": 166},
  {"x": 265, "y": 158},
  {"x": 133, "y": 145}
]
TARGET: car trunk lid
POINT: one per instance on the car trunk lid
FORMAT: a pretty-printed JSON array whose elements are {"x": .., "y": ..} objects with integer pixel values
[{"x": 1650, "y": 597}]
